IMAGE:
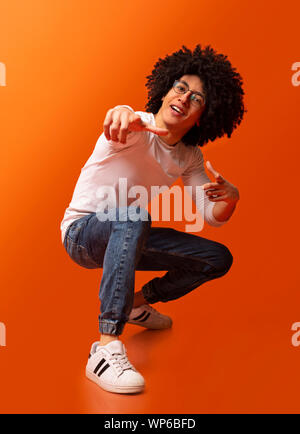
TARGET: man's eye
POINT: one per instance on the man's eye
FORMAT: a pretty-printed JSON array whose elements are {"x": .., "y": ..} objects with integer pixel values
[
  {"x": 181, "y": 88},
  {"x": 197, "y": 98}
]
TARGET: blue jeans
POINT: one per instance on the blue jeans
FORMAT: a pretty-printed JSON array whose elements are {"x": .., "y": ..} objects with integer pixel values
[{"x": 122, "y": 246}]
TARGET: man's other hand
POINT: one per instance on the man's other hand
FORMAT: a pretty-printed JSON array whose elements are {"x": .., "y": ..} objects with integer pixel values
[
  {"x": 220, "y": 190},
  {"x": 120, "y": 121}
]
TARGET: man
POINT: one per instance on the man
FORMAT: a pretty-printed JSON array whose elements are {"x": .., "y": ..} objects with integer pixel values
[{"x": 194, "y": 97}]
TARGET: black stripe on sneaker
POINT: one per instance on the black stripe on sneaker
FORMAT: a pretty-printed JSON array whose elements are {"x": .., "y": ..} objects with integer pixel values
[
  {"x": 103, "y": 369},
  {"x": 140, "y": 316},
  {"x": 99, "y": 365},
  {"x": 146, "y": 317}
]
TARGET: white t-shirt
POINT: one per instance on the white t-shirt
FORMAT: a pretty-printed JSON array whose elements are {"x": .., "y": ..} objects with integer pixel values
[{"x": 145, "y": 160}]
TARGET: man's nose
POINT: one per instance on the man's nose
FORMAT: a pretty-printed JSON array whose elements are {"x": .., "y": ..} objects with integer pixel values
[{"x": 185, "y": 98}]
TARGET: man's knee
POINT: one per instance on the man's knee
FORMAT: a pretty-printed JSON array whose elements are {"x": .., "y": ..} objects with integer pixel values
[{"x": 223, "y": 259}]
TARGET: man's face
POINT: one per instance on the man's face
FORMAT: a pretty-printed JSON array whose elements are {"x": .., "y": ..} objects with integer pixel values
[{"x": 180, "y": 111}]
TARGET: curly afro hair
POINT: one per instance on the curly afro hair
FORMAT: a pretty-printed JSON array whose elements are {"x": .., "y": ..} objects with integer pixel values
[{"x": 224, "y": 107}]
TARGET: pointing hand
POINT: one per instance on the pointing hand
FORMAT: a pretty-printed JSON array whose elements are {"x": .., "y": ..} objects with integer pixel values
[
  {"x": 220, "y": 190},
  {"x": 120, "y": 121}
]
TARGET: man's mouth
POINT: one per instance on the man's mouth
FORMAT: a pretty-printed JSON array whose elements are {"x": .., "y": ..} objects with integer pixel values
[{"x": 177, "y": 110}]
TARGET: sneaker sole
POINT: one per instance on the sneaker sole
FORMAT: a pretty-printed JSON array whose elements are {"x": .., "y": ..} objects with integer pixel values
[{"x": 111, "y": 387}]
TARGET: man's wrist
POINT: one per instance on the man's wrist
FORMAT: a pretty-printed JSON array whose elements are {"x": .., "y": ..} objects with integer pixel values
[{"x": 222, "y": 211}]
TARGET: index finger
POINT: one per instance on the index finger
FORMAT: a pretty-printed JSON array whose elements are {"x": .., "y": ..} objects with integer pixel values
[
  {"x": 216, "y": 174},
  {"x": 106, "y": 123}
]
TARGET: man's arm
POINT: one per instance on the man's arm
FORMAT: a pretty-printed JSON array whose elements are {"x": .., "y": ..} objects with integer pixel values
[
  {"x": 225, "y": 194},
  {"x": 222, "y": 211}
]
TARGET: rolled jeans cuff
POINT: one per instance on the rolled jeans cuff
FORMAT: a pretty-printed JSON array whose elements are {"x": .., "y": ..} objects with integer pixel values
[{"x": 110, "y": 327}]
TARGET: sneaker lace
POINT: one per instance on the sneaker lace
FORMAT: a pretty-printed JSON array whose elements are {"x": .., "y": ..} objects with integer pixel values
[{"x": 120, "y": 362}]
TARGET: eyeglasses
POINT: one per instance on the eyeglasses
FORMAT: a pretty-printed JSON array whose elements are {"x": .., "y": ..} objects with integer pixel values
[{"x": 196, "y": 98}]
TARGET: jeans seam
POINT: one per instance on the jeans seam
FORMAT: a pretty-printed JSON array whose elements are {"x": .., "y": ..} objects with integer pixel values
[{"x": 119, "y": 279}]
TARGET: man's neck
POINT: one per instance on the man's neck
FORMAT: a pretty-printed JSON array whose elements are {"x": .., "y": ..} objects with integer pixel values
[
  {"x": 173, "y": 137},
  {"x": 170, "y": 140}
]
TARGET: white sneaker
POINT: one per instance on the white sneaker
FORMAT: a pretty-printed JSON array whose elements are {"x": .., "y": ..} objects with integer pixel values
[
  {"x": 147, "y": 316},
  {"x": 109, "y": 367}
]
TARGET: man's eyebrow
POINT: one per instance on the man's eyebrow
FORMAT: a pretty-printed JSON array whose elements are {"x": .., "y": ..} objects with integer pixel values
[{"x": 198, "y": 93}]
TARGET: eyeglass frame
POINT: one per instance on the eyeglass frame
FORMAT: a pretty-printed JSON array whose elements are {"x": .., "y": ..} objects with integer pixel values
[{"x": 188, "y": 90}]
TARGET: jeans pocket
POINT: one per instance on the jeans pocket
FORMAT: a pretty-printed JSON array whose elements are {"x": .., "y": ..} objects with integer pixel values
[{"x": 79, "y": 254}]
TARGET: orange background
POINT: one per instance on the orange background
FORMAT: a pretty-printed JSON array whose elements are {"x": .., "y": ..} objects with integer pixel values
[{"x": 230, "y": 348}]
